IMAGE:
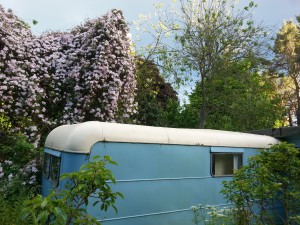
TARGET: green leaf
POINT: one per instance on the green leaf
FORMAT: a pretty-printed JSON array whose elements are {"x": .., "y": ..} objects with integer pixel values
[
  {"x": 44, "y": 203},
  {"x": 95, "y": 203},
  {"x": 43, "y": 217}
]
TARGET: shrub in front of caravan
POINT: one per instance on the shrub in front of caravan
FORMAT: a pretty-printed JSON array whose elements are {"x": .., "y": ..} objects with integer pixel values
[
  {"x": 68, "y": 206},
  {"x": 267, "y": 188}
]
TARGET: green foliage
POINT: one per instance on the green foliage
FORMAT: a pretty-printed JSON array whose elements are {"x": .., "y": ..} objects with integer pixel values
[
  {"x": 19, "y": 176},
  {"x": 270, "y": 180},
  {"x": 239, "y": 99},
  {"x": 287, "y": 62},
  {"x": 68, "y": 206},
  {"x": 154, "y": 95},
  {"x": 16, "y": 148},
  {"x": 19, "y": 171},
  {"x": 10, "y": 209},
  {"x": 206, "y": 37},
  {"x": 171, "y": 116},
  {"x": 211, "y": 215}
]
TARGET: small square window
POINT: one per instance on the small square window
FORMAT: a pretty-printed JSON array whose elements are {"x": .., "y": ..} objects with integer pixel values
[{"x": 223, "y": 164}]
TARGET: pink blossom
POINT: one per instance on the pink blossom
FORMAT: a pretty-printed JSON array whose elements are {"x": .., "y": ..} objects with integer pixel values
[
  {"x": 8, "y": 162},
  {"x": 57, "y": 78},
  {"x": 10, "y": 176}
]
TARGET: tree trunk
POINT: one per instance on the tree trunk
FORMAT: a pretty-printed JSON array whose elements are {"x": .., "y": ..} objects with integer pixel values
[
  {"x": 297, "y": 115},
  {"x": 298, "y": 105},
  {"x": 290, "y": 119},
  {"x": 202, "y": 114}
]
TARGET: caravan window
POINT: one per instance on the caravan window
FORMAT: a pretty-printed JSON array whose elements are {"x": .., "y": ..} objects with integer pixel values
[
  {"x": 46, "y": 166},
  {"x": 51, "y": 168},
  {"x": 55, "y": 168},
  {"x": 223, "y": 164}
]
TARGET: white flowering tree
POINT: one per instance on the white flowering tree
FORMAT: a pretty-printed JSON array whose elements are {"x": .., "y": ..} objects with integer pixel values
[{"x": 59, "y": 78}]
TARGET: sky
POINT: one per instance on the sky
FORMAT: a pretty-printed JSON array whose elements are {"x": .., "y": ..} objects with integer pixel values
[{"x": 61, "y": 15}]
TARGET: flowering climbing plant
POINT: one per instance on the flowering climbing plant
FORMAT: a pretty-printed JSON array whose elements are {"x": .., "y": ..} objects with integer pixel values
[{"x": 64, "y": 77}]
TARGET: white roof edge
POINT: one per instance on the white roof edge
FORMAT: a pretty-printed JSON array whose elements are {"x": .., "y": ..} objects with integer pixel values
[{"x": 79, "y": 138}]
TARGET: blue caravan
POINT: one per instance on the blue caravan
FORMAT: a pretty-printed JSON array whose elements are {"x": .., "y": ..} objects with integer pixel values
[{"x": 161, "y": 172}]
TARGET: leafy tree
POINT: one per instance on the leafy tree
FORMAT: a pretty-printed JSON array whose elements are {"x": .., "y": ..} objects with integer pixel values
[
  {"x": 270, "y": 180},
  {"x": 68, "y": 206},
  {"x": 154, "y": 95},
  {"x": 285, "y": 88},
  {"x": 287, "y": 60},
  {"x": 202, "y": 38},
  {"x": 240, "y": 99}
]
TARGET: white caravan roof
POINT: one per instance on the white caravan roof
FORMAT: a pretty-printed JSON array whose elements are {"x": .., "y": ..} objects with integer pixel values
[{"x": 79, "y": 138}]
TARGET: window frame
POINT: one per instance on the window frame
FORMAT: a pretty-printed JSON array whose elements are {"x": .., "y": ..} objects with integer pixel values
[
  {"x": 53, "y": 170},
  {"x": 237, "y": 162},
  {"x": 46, "y": 168}
]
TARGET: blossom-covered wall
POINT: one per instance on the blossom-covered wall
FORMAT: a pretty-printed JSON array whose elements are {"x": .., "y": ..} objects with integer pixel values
[{"x": 64, "y": 77}]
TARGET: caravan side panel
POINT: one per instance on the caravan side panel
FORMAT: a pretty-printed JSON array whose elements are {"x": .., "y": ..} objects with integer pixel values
[{"x": 161, "y": 182}]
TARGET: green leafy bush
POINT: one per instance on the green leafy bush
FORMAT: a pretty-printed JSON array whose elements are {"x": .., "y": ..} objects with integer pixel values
[
  {"x": 16, "y": 148},
  {"x": 68, "y": 206},
  {"x": 19, "y": 171},
  {"x": 268, "y": 187},
  {"x": 19, "y": 176},
  {"x": 212, "y": 215},
  {"x": 10, "y": 209}
]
